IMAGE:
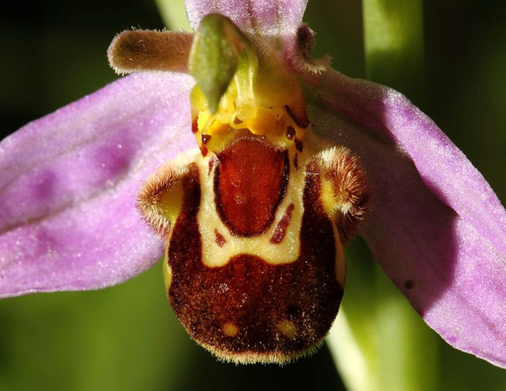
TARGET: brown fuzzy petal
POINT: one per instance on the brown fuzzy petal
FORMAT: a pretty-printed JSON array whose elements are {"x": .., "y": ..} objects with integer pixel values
[{"x": 144, "y": 50}]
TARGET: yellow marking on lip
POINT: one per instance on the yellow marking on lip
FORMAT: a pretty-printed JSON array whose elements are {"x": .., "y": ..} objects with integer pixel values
[
  {"x": 230, "y": 329},
  {"x": 269, "y": 122},
  {"x": 287, "y": 251},
  {"x": 287, "y": 328}
]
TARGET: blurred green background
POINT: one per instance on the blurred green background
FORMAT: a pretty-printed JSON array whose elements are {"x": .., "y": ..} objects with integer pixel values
[{"x": 126, "y": 337}]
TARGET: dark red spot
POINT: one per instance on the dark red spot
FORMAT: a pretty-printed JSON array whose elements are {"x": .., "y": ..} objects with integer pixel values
[
  {"x": 220, "y": 240},
  {"x": 211, "y": 165},
  {"x": 296, "y": 161},
  {"x": 298, "y": 145},
  {"x": 250, "y": 183},
  {"x": 206, "y": 138},
  {"x": 195, "y": 125},
  {"x": 204, "y": 150},
  {"x": 280, "y": 231},
  {"x": 409, "y": 284},
  {"x": 302, "y": 120},
  {"x": 290, "y": 133}
]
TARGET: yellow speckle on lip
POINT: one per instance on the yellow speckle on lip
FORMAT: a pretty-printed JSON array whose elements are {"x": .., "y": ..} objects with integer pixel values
[
  {"x": 287, "y": 328},
  {"x": 230, "y": 329}
]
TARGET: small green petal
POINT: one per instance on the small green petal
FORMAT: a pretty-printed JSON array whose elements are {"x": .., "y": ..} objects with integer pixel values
[{"x": 216, "y": 51}]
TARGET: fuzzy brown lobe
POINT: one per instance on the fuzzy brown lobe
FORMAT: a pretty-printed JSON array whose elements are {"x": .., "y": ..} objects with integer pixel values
[
  {"x": 138, "y": 50},
  {"x": 248, "y": 307},
  {"x": 300, "y": 54},
  {"x": 349, "y": 179},
  {"x": 149, "y": 199}
]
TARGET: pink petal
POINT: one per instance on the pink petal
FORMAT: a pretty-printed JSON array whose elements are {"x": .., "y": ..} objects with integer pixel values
[
  {"x": 68, "y": 187},
  {"x": 275, "y": 17},
  {"x": 435, "y": 224}
]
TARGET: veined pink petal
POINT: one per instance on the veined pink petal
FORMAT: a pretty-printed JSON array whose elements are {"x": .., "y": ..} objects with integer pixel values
[
  {"x": 255, "y": 16},
  {"x": 435, "y": 225},
  {"x": 69, "y": 181}
]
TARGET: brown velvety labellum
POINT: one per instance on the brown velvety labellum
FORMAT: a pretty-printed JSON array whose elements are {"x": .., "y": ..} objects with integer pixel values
[
  {"x": 250, "y": 182},
  {"x": 248, "y": 306}
]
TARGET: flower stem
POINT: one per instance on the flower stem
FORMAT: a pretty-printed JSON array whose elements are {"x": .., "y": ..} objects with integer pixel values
[
  {"x": 173, "y": 14},
  {"x": 393, "y": 348},
  {"x": 378, "y": 340}
]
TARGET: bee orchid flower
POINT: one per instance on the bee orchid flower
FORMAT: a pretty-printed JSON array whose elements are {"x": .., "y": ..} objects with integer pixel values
[{"x": 293, "y": 160}]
